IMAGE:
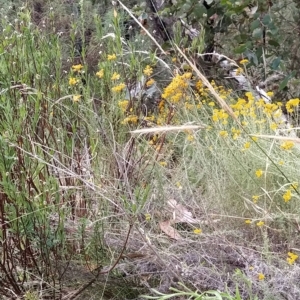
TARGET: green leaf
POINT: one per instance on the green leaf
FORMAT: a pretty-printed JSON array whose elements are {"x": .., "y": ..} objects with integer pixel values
[
  {"x": 255, "y": 24},
  {"x": 285, "y": 81},
  {"x": 240, "y": 49},
  {"x": 273, "y": 43},
  {"x": 266, "y": 20},
  {"x": 199, "y": 11},
  {"x": 275, "y": 63},
  {"x": 257, "y": 33}
]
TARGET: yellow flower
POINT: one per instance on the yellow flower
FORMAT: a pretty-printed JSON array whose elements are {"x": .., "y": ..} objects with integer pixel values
[
  {"x": 248, "y": 221},
  {"x": 197, "y": 231},
  {"x": 76, "y": 98},
  {"x": 273, "y": 126},
  {"x": 288, "y": 145},
  {"x": 77, "y": 68},
  {"x": 147, "y": 217},
  {"x": 118, "y": 88},
  {"x": 163, "y": 163},
  {"x": 255, "y": 198},
  {"x": 259, "y": 173},
  {"x": 291, "y": 104},
  {"x": 178, "y": 184},
  {"x": 270, "y": 94},
  {"x": 247, "y": 145},
  {"x": 123, "y": 105},
  {"x": 190, "y": 137},
  {"x": 212, "y": 104},
  {"x": 133, "y": 119},
  {"x": 148, "y": 71},
  {"x": 150, "y": 82},
  {"x": 260, "y": 223},
  {"x": 281, "y": 162},
  {"x": 239, "y": 71},
  {"x": 72, "y": 81},
  {"x": 223, "y": 133},
  {"x": 291, "y": 257},
  {"x": 261, "y": 276},
  {"x": 115, "y": 76},
  {"x": 111, "y": 57},
  {"x": 254, "y": 138},
  {"x": 287, "y": 196},
  {"x": 100, "y": 73},
  {"x": 244, "y": 61}
]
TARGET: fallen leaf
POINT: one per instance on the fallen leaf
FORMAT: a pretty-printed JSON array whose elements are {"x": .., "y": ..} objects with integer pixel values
[
  {"x": 181, "y": 213},
  {"x": 169, "y": 230}
]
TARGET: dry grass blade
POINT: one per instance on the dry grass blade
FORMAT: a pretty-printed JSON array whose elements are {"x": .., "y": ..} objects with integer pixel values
[
  {"x": 166, "y": 129},
  {"x": 277, "y": 137}
]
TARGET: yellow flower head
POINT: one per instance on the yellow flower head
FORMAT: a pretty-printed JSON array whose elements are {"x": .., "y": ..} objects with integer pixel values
[
  {"x": 197, "y": 231},
  {"x": 147, "y": 217},
  {"x": 244, "y": 61},
  {"x": 287, "y": 196},
  {"x": 115, "y": 76},
  {"x": 255, "y": 198},
  {"x": 76, "y": 98},
  {"x": 111, "y": 57},
  {"x": 72, "y": 81},
  {"x": 248, "y": 221},
  {"x": 259, "y": 173},
  {"x": 118, "y": 88},
  {"x": 247, "y": 145},
  {"x": 77, "y": 68},
  {"x": 223, "y": 133},
  {"x": 100, "y": 73},
  {"x": 148, "y": 71},
  {"x": 291, "y": 257},
  {"x": 287, "y": 145},
  {"x": 123, "y": 105},
  {"x": 260, "y": 223},
  {"x": 261, "y": 276},
  {"x": 150, "y": 82},
  {"x": 291, "y": 104}
]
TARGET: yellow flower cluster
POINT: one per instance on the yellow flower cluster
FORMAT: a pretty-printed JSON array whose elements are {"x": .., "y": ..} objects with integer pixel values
[
  {"x": 287, "y": 195},
  {"x": 148, "y": 71},
  {"x": 118, "y": 88},
  {"x": 76, "y": 98},
  {"x": 73, "y": 81},
  {"x": 287, "y": 145},
  {"x": 115, "y": 76},
  {"x": 111, "y": 57},
  {"x": 177, "y": 89},
  {"x": 100, "y": 73},
  {"x": 220, "y": 115},
  {"x": 150, "y": 82},
  {"x": 291, "y": 104},
  {"x": 123, "y": 105},
  {"x": 77, "y": 68},
  {"x": 131, "y": 119},
  {"x": 291, "y": 257}
]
